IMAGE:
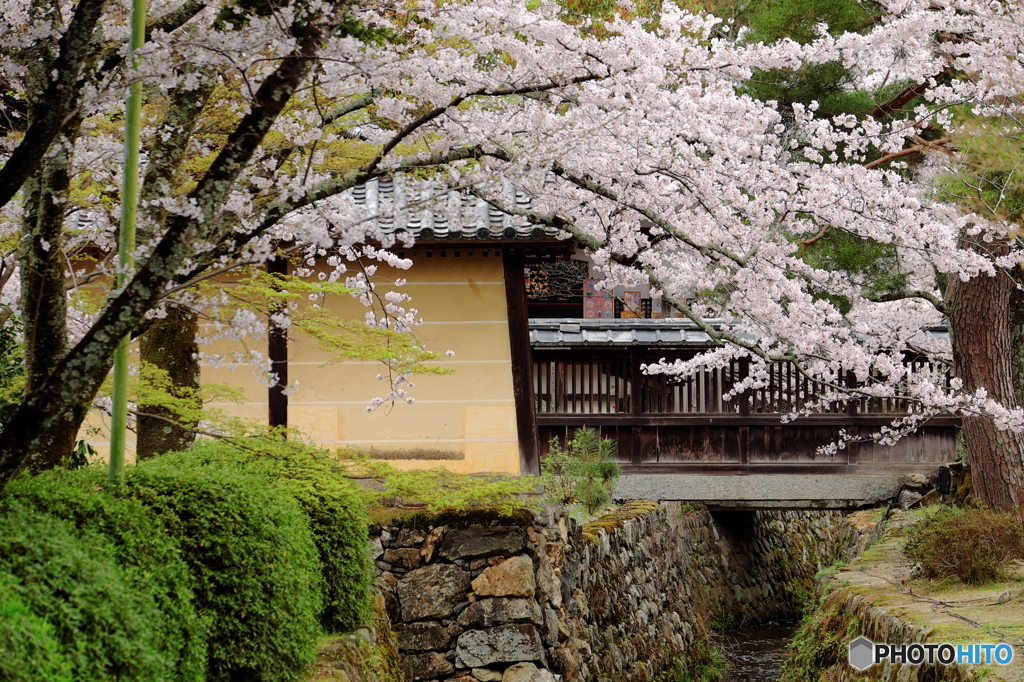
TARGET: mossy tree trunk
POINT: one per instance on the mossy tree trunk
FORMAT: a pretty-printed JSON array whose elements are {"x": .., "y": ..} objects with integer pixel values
[
  {"x": 170, "y": 344},
  {"x": 42, "y": 264},
  {"x": 43, "y": 299}
]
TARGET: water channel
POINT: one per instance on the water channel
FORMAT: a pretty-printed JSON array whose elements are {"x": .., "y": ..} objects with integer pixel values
[{"x": 756, "y": 654}]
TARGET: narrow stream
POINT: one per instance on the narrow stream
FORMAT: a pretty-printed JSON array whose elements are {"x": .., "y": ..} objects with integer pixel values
[{"x": 756, "y": 654}]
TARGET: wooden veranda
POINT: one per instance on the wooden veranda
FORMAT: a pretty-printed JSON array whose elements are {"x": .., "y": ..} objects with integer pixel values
[{"x": 667, "y": 425}]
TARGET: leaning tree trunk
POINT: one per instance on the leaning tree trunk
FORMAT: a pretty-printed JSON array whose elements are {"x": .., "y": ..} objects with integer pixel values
[{"x": 979, "y": 320}]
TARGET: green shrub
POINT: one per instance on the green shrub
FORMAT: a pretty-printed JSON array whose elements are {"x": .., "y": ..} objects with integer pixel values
[
  {"x": 971, "y": 545},
  {"x": 820, "y": 641},
  {"x": 29, "y": 651},
  {"x": 439, "y": 490},
  {"x": 253, "y": 562},
  {"x": 700, "y": 663},
  {"x": 332, "y": 502},
  {"x": 106, "y": 624},
  {"x": 584, "y": 472},
  {"x": 139, "y": 543}
]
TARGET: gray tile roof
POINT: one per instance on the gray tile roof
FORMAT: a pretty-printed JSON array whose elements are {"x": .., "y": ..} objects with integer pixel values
[
  {"x": 550, "y": 333},
  {"x": 616, "y": 332},
  {"x": 429, "y": 211}
]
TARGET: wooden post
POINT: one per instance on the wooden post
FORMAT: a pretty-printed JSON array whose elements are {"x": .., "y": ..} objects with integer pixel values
[
  {"x": 513, "y": 265},
  {"x": 636, "y": 393},
  {"x": 277, "y": 349},
  {"x": 744, "y": 398},
  {"x": 852, "y": 449}
]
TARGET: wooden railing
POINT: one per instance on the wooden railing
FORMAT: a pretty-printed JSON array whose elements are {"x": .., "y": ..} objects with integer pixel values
[{"x": 658, "y": 419}]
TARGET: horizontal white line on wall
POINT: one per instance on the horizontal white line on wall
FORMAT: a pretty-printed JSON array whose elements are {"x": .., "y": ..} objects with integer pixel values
[
  {"x": 296, "y": 403},
  {"x": 438, "y": 361},
  {"x": 432, "y": 440},
  {"x": 463, "y": 283}
]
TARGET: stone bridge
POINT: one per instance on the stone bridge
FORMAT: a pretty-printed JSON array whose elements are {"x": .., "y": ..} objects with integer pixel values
[{"x": 779, "y": 491}]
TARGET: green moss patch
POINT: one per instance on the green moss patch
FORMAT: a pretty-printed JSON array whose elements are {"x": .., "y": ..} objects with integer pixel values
[
  {"x": 615, "y": 519},
  {"x": 455, "y": 518}
]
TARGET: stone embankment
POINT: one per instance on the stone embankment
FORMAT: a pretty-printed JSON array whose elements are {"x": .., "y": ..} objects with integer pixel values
[
  {"x": 876, "y": 596},
  {"x": 483, "y": 599}
]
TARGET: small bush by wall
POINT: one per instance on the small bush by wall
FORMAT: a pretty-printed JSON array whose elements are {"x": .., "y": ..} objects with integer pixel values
[
  {"x": 972, "y": 545},
  {"x": 105, "y": 621},
  {"x": 139, "y": 544},
  {"x": 333, "y": 504},
  {"x": 29, "y": 651},
  {"x": 821, "y": 640},
  {"x": 250, "y": 552}
]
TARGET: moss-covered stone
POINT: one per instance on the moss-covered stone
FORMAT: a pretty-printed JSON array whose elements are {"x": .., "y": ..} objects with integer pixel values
[
  {"x": 421, "y": 518},
  {"x": 369, "y": 654}
]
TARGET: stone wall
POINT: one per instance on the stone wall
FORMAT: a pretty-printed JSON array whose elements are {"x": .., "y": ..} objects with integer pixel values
[
  {"x": 876, "y": 596},
  {"x": 485, "y": 599}
]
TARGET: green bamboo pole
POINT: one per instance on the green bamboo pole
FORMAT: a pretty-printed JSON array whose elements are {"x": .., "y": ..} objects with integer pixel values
[{"x": 126, "y": 246}]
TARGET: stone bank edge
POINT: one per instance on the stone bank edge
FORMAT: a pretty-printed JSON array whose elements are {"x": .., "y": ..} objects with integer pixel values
[{"x": 623, "y": 597}]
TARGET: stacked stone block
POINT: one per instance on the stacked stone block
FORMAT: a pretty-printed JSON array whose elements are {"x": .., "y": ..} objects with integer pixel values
[
  {"x": 471, "y": 604},
  {"x": 533, "y": 601}
]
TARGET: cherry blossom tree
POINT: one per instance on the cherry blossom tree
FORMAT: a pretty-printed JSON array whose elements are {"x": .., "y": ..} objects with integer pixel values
[
  {"x": 720, "y": 194},
  {"x": 634, "y": 135},
  {"x": 293, "y": 85}
]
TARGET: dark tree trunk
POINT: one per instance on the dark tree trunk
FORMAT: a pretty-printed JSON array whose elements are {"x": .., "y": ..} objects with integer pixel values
[
  {"x": 170, "y": 344},
  {"x": 1017, "y": 336},
  {"x": 43, "y": 296},
  {"x": 277, "y": 349},
  {"x": 75, "y": 379},
  {"x": 979, "y": 321}
]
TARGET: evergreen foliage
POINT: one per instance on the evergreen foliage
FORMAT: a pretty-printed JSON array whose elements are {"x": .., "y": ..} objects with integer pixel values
[
  {"x": 876, "y": 265},
  {"x": 29, "y": 651},
  {"x": 987, "y": 177},
  {"x": 583, "y": 472},
  {"x": 106, "y": 620},
  {"x": 12, "y": 369},
  {"x": 140, "y": 545},
  {"x": 334, "y": 504},
  {"x": 253, "y": 562},
  {"x": 830, "y": 87},
  {"x": 829, "y": 84}
]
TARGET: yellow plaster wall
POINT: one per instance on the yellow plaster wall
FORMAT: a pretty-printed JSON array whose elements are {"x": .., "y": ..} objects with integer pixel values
[{"x": 470, "y": 412}]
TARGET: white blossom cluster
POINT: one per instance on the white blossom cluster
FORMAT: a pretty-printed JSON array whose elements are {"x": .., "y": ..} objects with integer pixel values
[{"x": 637, "y": 142}]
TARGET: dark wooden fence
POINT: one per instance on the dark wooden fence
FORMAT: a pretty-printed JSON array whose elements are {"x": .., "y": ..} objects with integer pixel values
[{"x": 669, "y": 424}]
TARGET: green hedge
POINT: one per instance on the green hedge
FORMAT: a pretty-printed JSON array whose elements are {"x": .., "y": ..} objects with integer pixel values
[
  {"x": 333, "y": 503},
  {"x": 106, "y": 622},
  {"x": 29, "y": 651},
  {"x": 253, "y": 562},
  {"x": 139, "y": 542}
]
